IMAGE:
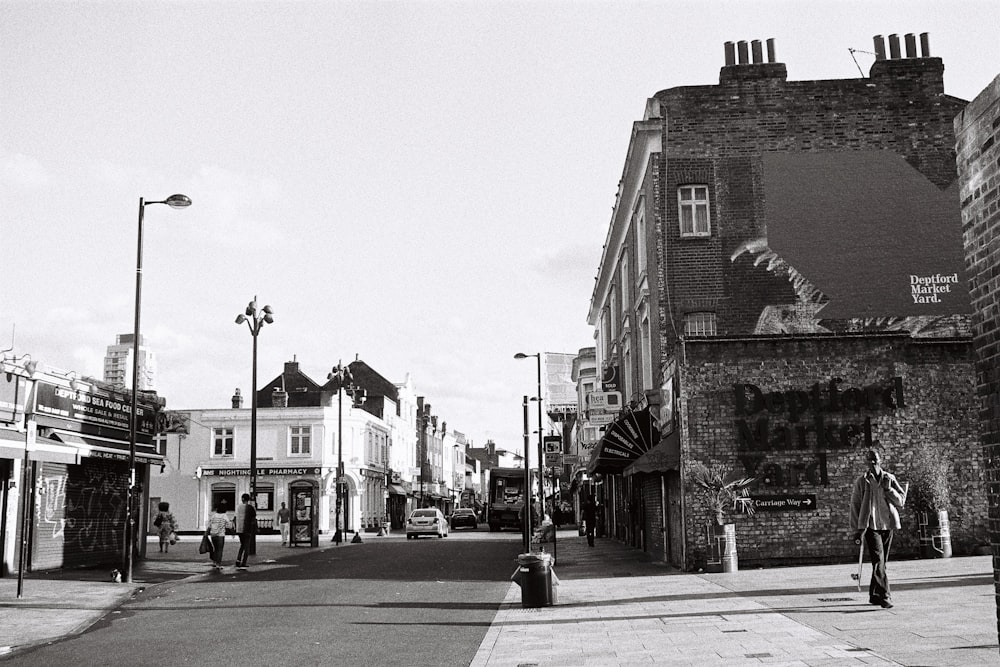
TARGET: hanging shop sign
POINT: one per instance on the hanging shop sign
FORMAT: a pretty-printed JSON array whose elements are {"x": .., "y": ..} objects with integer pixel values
[{"x": 13, "y": 391}]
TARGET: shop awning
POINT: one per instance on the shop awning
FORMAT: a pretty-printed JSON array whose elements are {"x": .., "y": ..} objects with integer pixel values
[
  {"x": 95, "y": 447},
  {"x": 396, "y": 489},
  {"x": 665, "y": 456},
  {"x": 44, "y": 449},
  {"x": 625, "y": 441}
]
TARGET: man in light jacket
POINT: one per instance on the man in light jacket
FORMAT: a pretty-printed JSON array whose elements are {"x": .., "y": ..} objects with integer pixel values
[{"x": 875, "y": 502}]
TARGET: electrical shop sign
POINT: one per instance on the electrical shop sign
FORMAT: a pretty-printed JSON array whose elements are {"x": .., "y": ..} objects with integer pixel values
[
  {"x": 823, "y": 417},
  {"x": 96, "y": 413}
]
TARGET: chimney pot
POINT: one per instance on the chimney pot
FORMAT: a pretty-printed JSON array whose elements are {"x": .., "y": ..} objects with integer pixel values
[
  {"x": 758, "y": 56},
  {"x": 730, "y": 53},
  {"x": 237, "y": 399},
  {"x": 911, "y": 45},
  {"x": 743, "y": 51},
  {"x": 894, "y": 47},
  {"x": 770, "y": 50},
  {"x": 925, "y": 45},
  {"x": 879, "y": 47}
]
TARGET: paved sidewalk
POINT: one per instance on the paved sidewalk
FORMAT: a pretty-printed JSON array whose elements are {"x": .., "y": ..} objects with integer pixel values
[{"x": 615, "y": 609}]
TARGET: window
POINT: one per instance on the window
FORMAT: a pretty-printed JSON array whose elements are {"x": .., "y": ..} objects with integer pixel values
[
  {"x": 699, "y": 324},
  {"x": 640, "y": 239},
  {"x": 626, "y": 297},
  {"x": 223, "y": 442},
  {"x": 645, "y": 348},
  {"x": 692, "y": 202},
  {"x": 299, "y": 441}
]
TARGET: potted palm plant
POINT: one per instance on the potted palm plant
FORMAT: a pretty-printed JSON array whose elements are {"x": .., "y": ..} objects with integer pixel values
[
  {"x": 928, "y": 471},
  {"x": 721, "y": 490}
]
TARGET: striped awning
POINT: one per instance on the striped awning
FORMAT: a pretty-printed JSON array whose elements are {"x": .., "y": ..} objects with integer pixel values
[
  {"x": 665, "y": 456},
  {"x": 625, "y": 440}
]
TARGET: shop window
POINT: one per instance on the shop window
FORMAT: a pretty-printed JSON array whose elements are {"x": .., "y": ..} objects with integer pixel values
[
  {"x": 699, "y": 324},
  {"x": 692, "y": 202},
  {"x": 264, "y": 501},
  {"x": 223, "y": 442},
  {"x": 300, "y": 441},
  {"x": 224, "y": 498}
]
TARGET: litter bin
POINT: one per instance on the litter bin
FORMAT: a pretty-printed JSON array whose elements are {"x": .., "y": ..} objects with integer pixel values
[{"x": 534, "y": 575}]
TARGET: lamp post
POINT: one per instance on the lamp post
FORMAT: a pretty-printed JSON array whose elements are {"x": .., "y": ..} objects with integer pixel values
[
  {"x": 526, "y": 538},
  {"x": 173, "y": 201},
  {"x": 342, "y": 374},
  {"x": 541, "y": 456},
  {"x": 255, "y": 319}
]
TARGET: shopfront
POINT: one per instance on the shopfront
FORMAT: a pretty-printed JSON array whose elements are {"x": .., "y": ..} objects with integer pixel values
[
  {"x": 223, "y": 487},
  {"x": 67, "y": 459}
]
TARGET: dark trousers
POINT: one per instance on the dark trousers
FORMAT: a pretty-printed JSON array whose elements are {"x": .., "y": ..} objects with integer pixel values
[
  {"x": 218, "y": 544},
  {"x": 591, "y": 527},
  {"x": 244, "y": 552},
  {"x": 878, "y": 542}
]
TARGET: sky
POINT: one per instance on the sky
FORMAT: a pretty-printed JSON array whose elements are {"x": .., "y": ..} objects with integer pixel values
[{"x": 426, "y": 186}]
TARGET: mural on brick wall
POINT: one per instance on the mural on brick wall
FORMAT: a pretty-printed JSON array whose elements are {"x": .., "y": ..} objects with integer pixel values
[
  {"x": 858, "y": 257},
  {"x": 796, "y": 415}
]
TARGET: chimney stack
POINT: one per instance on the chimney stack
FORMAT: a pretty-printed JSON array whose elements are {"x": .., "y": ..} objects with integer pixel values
[
  {"x": 237, "y": 399},
  {"x": 745, "y": 62}
]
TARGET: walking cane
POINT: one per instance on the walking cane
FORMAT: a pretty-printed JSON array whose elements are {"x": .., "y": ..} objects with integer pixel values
[{"x": 861, "y": 562}]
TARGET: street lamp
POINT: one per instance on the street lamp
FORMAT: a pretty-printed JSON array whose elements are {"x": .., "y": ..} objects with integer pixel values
[
  {"x": 541, "y": 457},
  {"x": 342, "y": 374},
  {"x": 255, "y": 321},
  {"x": 526, "y": 538},
  {"x": 173, "y": 201}
]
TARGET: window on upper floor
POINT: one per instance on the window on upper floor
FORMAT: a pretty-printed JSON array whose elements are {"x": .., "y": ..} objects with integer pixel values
[
  {"x": 222, "y": 439},
  {"x": 640, "y": 240},
  {"x": 624, "y": 280},
  {"x": 699, "y": 324},
  {"x": 692, "y": 204},
  {"x": 299, "y": 441}
]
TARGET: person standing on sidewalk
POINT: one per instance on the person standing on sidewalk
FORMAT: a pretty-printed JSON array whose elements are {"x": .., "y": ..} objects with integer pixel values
[
  {"x": 590, "y": 517},
  {"x": 246, "y": 530},
  {"x": 875, "y": 502},
  {"x": 166, "y": 525},
  {"x": 218, "y": 522},
  {"x": 283, "y": 516}
]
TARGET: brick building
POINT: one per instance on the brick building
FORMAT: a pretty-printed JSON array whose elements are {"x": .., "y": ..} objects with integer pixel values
[
  {"x": 977, "y": 129},
  {"x": 817, "y": 218}
]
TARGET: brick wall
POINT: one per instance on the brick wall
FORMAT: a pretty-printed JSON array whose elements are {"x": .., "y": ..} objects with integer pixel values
[
  {"x": 717, "y": 134},
  {"x": 937, "y": 382},
  {"x": 978, "y": 156}
]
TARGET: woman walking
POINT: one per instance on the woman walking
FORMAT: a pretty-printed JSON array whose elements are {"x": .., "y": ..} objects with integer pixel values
[
  {"x": 218, "y": 523},
  {"x": 165, "y": 525}
]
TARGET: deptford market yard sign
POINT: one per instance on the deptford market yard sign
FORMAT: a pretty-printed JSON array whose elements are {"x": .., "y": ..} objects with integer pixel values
[{"x": 825, "y": 416}]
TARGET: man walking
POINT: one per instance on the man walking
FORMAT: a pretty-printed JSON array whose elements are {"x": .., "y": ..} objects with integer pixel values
[
  {"x": 283, "y": 517},
  {"x": 875, "y": 500},
  {"x": 590, "y": 517},
  {"x": 246, "y": 530}
]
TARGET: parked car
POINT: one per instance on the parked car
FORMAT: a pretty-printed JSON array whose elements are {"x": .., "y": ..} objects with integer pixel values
[
  {"x": 428, "y": 521},
  {"x": 464, "y": 516}
]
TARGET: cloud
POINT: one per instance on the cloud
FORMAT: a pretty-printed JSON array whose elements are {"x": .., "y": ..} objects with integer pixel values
[
  {"x": 22, "y": 171},
  {"x": 569, "y": 261}
]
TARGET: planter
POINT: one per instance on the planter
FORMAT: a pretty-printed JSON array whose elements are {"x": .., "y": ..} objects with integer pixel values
[
  {"x": 721, "y": 551},
  {"x": 935, "y": 535}
]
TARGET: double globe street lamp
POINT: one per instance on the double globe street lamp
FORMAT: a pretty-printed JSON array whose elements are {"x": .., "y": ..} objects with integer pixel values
[
  {"x": 345, "y": 383},
  {"x": 173, "y": 201},
  {"x": 255, "y": 319}
]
